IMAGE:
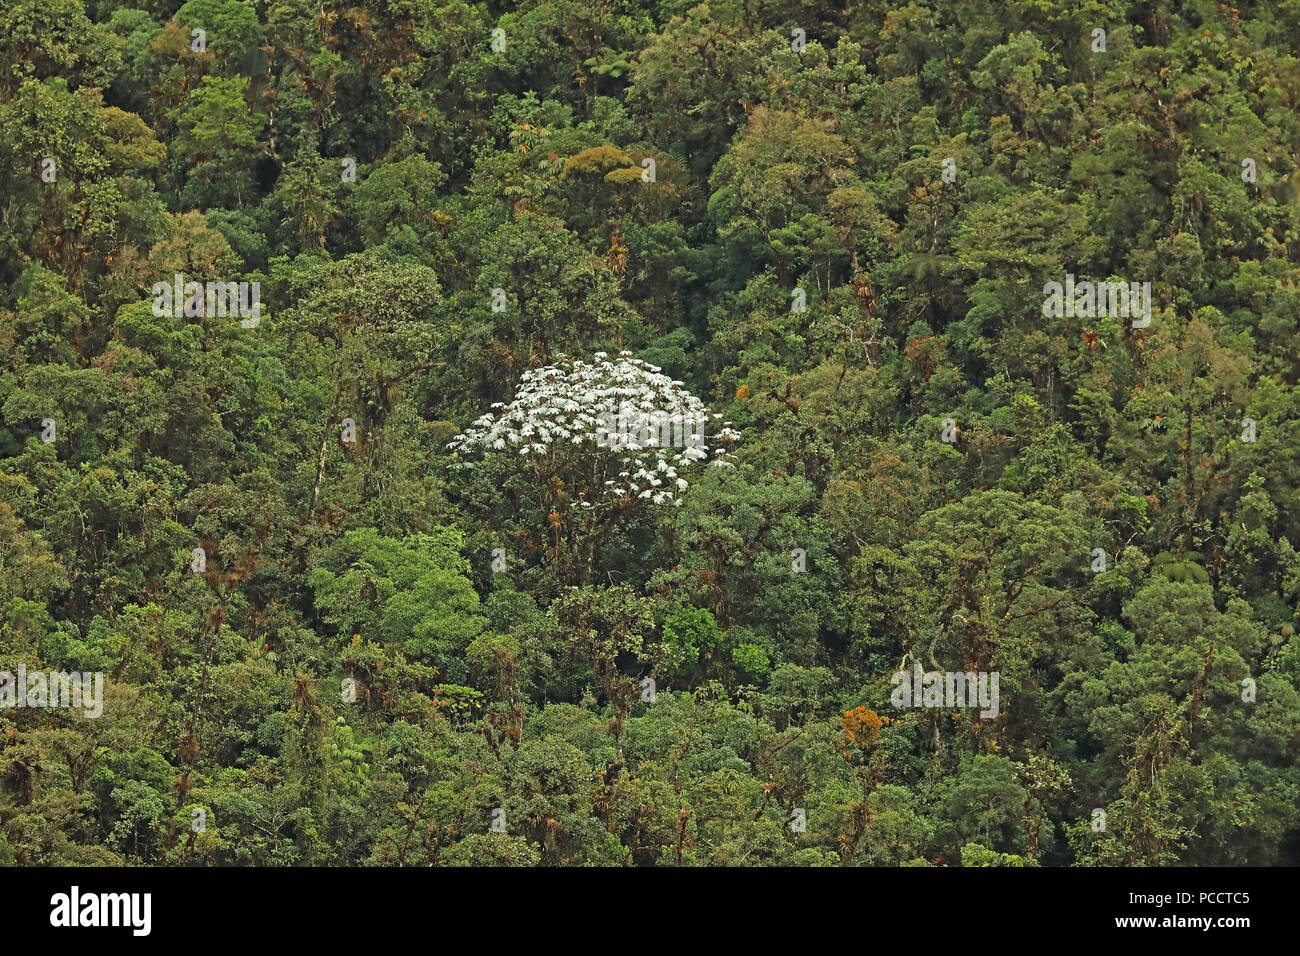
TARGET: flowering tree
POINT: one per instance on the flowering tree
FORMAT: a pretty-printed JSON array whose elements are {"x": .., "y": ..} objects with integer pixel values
[
  {"x": 600, "y": 437},
  {"x": 642, "y": 425}
]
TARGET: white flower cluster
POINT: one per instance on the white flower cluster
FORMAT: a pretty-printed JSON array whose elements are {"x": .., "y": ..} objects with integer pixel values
[{"x": 620, "y": 410}]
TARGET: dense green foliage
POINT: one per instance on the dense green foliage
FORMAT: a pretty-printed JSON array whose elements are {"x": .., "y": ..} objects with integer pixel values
[{"x": 392, "y": 658}]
